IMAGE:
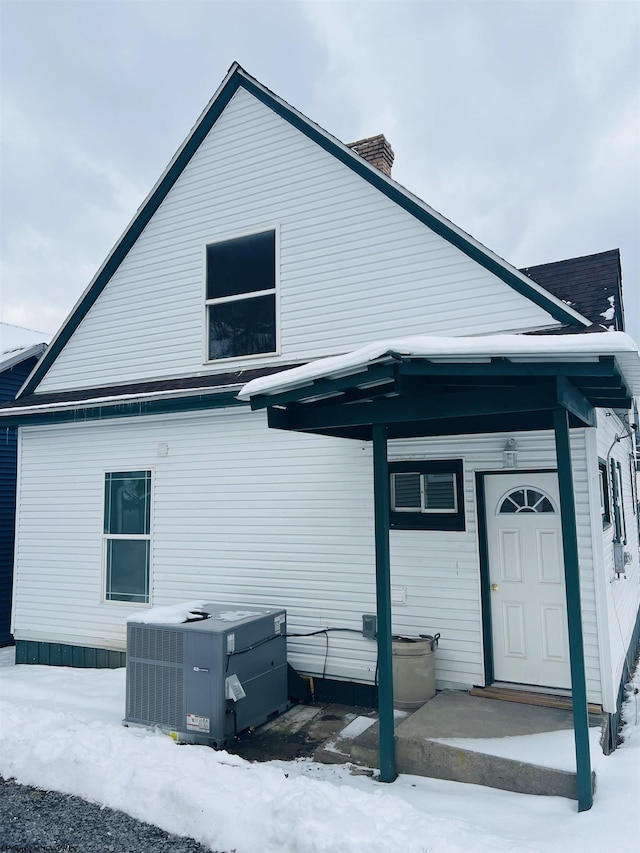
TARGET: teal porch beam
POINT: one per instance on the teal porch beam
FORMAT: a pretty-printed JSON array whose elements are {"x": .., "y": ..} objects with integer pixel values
[
  {"x": 383, "y": 603},
  {"x": 574, "y": 610}
]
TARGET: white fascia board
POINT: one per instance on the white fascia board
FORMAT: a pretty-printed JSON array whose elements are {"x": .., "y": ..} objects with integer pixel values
[{"x": 522, "y": 348}]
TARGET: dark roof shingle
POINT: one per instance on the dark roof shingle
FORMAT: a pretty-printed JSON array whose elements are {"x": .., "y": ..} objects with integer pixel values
[{"x": 590, "y": 284}]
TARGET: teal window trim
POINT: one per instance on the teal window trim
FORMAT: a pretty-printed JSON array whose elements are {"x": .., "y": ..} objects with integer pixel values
[{"x": 422, "y": 516}]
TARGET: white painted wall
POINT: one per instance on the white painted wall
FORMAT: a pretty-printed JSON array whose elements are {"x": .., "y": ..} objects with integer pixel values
[
  {"x": 246, "y": 515},
  {"x": 354, "y": 267}
]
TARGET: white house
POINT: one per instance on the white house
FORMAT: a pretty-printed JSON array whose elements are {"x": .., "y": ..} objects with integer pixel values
[{"x": 145, "y": 480}]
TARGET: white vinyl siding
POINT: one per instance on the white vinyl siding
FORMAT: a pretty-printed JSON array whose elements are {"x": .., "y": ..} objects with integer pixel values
[
  {"x": 353, "y": 266},
  {"x": 622, "y": 593},
  {"x": 440, "y": 571},
  {"x": 252, "y": 516}
]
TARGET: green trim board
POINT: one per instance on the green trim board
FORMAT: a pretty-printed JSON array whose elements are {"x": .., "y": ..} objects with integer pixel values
[
  {"x": 85, "y": 413},
  {"x": 388, "y": 772},
  {"x": 420, "y": 409},
  {"x": 485, "y": 583},
  {"x": 238, "y": 78},
  {"x": 574, "y": 609},
  {"x": 62, "y": 654}
]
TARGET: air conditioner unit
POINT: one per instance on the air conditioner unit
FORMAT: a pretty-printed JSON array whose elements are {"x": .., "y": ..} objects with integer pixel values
[{"x": 204, "y": 681}]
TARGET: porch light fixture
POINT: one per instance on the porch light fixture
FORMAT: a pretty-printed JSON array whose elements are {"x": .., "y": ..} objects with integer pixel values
[{"x": 510, "y": 454}]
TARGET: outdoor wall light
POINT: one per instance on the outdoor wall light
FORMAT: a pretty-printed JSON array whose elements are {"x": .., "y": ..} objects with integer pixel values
[{"x": 510, "y": 454}]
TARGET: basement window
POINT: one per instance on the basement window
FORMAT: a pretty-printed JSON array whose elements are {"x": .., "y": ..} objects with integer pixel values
[
  {"x": 127, "y": 535},
  {"x": 426, "y": 495},
  {"x": 241, "y": 296}
]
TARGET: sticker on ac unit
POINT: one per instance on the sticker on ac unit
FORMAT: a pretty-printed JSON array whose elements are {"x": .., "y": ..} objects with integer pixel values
[
  {"x": 278, "y": 622},
  {"x": 196, "y": 723}
]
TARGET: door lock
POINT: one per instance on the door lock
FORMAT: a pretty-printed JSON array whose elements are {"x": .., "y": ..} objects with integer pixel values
[{"x": 495, "y": 587}]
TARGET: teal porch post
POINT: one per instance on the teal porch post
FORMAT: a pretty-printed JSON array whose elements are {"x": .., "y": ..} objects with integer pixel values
[
  {"x": 383, "y": 598},
  {"x": 574, "y": 610}
]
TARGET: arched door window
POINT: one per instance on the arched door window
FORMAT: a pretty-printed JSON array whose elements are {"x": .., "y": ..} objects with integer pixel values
[{"x": 526, "y": 500}]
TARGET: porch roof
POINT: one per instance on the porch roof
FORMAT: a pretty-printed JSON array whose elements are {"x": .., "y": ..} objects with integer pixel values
[{"x": 423, "y": 386}]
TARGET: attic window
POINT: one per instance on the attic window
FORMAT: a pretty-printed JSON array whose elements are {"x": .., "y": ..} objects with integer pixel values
[{"x": 241, "y": 296}]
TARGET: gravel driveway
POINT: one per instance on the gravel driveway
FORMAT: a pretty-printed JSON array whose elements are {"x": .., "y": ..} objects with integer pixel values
[{"x": 34, "y": 821}]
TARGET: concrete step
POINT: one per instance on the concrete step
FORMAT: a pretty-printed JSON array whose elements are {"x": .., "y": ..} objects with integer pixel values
[{"x": 456, "y": 714}]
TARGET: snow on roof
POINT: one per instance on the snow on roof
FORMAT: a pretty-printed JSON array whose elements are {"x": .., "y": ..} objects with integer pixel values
[
  {"x": 444, "y": 349},
  {"x": 17, "y": 337},
  {"x": 18, "y": 343}
]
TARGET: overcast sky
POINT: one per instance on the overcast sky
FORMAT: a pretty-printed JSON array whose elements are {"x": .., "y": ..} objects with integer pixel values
[{"x": 519, "y": 121}]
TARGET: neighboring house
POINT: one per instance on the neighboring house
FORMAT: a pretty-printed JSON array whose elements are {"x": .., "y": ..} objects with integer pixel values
[
  {"x": 265, "y": 245},
  {"x": 20, "y": 349}
]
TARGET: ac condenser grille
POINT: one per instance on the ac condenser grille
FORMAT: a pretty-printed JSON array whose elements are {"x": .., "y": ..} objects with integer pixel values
[
  {"x": 155, "y": 644},
  {"x": 155, "y": 694}
]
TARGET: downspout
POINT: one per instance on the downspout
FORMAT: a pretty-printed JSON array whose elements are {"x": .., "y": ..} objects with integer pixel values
[
  {"x": 383, "y": 604},
  {"x": 574, "y": 610}
]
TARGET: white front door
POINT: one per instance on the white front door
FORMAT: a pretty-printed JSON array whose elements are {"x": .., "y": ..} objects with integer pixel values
[{"x": 528, "y": 605}]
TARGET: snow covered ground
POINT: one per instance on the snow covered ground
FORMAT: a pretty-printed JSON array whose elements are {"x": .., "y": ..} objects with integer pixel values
[{"x": 61, "y": 729}]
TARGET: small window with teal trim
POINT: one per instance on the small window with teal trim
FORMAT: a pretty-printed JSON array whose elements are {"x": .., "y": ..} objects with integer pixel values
[
  {"x": 426, "y": 495},
  {"x": 127, "y": 536}
]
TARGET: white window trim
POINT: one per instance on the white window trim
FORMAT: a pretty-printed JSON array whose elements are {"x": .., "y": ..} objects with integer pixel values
[
  {"x": 105, "y": 537},
  {"x": 224, "y": 238}
]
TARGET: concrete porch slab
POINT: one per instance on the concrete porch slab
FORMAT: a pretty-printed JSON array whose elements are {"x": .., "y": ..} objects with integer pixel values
[{"x": 455, "y": 714}]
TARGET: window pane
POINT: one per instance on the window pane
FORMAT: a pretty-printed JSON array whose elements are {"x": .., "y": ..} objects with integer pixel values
[
  {"x": 242, "y": 328},
  {"x": 127, "y": 502},
  {"x": 406, "y": 491},
  {"x": 241, "y": 266},
  {"x": 439, "y": 492},
  {"x": 128, "y": 570}
]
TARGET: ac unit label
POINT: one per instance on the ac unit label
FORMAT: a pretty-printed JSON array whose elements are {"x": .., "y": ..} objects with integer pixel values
[{"x": 196, "y": 723}]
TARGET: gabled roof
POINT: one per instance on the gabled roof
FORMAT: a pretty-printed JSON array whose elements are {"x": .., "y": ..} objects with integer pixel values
[
  {"x": 238, "y": 78},
  {"x": 592, "y": 284}
]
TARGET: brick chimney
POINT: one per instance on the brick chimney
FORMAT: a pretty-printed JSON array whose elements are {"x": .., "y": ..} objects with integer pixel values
[{"x": 377, "y": 151}]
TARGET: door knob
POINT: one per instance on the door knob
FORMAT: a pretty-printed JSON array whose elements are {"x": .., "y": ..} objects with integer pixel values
[{"x": 494, "y": 587}]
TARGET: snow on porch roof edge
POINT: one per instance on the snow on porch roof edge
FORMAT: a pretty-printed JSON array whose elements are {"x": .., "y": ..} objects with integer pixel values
[{"x": 447, "y": 349}]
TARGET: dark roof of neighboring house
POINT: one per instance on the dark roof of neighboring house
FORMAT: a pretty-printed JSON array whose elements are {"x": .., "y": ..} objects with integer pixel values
[{"x": 591, "y": 284}]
